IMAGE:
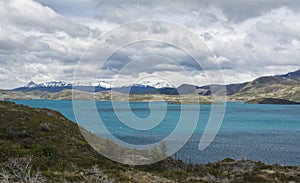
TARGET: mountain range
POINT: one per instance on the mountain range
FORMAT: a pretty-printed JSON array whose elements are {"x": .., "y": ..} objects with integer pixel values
[
  {"x": 57, "y": 86},
  {"x": 286, "y": 86}
]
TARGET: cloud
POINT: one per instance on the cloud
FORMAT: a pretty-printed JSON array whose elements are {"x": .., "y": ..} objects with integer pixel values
[
  {"x": 268, "y": 40},
  {"x": 42, "y": 19},
  {"x": 176, "y": 10},
  {"x": 248, "y": 39},
  {"x": 36, "y": 43}
]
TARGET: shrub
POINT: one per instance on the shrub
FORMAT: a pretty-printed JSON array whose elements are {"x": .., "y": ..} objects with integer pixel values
[{"x": 45, "y": 126}]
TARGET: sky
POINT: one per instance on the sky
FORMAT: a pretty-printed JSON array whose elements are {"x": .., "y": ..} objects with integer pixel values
[{"x": 45, "y": 40}]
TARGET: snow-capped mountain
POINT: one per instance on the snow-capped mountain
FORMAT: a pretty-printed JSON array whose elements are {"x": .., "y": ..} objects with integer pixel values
[
  {"x": 31, "y": 84},
  {"x": 143, "y": 87},
  {"x": 163, "y": 84},
  {"x": 157, "y": 85},
  {"x": 54, "y": 84},
  {"x": 102, "y": 84},
  {"x": 57, "y": 86},
  {"x": 51, "y": 86}
]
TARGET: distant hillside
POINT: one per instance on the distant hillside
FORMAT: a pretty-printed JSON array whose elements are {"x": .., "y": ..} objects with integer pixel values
[
  {"x": 165, "y": 91},
  {"x": 9, "y": 95},
  {"x": 41, "y": 145},
  {"x": 134, "y": 89},
  {"x": 230, "y": 88},
  {"x": 187, "y": 89},
  {"x": 291, "y": 75},
  {"x": 285, "y": 86}
]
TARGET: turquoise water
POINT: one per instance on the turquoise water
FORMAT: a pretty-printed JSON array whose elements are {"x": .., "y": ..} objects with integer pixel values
[{"x": 268, "y": 133}]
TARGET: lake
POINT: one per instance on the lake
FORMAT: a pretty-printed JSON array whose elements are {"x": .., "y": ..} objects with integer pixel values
[{"x": 267, "y": 133}]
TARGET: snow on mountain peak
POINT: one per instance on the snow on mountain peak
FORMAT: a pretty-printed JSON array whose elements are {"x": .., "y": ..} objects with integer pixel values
[
  {"x": 102, "y": 84},
  {"x": 163, "y": 84},
  {"x": 159, "y": 84},
  {"x": 31, "y": 84},
  {"x": 54, "y": 84}
]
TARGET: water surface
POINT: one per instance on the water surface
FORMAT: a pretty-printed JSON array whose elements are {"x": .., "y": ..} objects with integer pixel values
[{"x": 268, "y": 133}]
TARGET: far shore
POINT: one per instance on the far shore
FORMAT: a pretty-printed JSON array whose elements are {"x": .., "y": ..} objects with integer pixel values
[{"x": 117, "y": 96}]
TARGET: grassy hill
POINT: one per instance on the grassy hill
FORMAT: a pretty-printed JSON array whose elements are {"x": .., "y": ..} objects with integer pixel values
[
  {"x": 41, "y": 145},
  {"x": 281, "y": 87},
  {"x": 272, "y": 87},
  {"x": 54, "y": 144}
]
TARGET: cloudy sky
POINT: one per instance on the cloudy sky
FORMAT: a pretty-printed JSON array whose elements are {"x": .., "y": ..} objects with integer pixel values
[{"x": 44, "y": 40}]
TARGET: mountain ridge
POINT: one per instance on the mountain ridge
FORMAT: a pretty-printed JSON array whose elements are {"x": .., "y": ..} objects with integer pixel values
[
  {"x": 285, "y": 86},
  {"x": 57, "y": 86}
]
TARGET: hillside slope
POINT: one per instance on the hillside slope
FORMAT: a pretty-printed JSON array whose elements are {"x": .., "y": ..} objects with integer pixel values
[
  {"x": 285, "y": 86},
  {"x": 52, "y": 144}
]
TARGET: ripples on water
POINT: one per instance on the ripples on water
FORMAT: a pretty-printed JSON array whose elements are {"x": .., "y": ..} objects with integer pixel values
[{"x": 268, "y": 133}]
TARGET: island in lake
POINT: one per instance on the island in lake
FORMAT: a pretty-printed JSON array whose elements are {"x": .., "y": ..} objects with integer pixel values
[{"x": 271, "y": 101}]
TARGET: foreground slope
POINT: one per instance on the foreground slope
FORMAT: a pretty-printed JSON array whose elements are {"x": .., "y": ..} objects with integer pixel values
[
  {"x": 52, "y": 144},
  {"x": 41, "y": 145}
]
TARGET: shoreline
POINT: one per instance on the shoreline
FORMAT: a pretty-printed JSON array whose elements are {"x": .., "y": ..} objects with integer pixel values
[{"x": 121, "y": 97}]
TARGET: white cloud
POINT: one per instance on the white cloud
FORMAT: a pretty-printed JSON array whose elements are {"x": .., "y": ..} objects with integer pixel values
[
  {"x": 257, "y": 41},
  {"x": 28, "y": 14},
  {"x": 37, "y": 43}
]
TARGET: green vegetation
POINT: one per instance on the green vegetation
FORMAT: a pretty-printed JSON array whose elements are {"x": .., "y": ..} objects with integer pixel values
[
  {"x": 41, "y": 145},
  {"x": 270, "y": 87}
]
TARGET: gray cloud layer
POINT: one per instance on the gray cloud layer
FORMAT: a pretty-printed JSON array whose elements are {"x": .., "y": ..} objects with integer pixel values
[{"x": 249, "y": 38}]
